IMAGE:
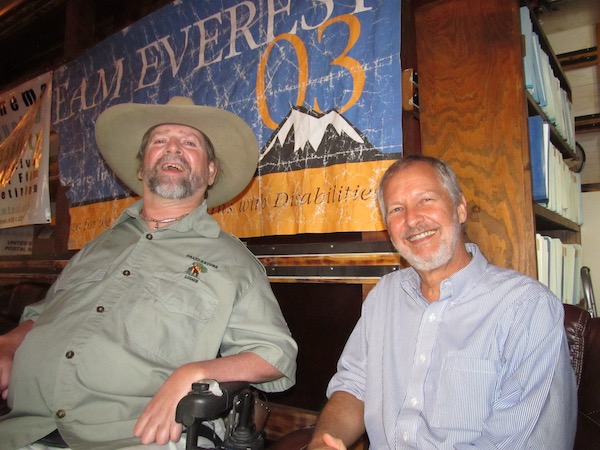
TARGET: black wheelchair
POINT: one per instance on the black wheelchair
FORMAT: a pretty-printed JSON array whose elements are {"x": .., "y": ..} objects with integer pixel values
[{"x": 232, "y": 401}]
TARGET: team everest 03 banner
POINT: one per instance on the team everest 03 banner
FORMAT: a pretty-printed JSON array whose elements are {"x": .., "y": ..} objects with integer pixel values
[{"x": 317, "y": 80}]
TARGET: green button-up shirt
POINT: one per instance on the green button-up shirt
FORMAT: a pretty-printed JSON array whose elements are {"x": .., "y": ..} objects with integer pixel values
[{"x": 131, "y": 307}]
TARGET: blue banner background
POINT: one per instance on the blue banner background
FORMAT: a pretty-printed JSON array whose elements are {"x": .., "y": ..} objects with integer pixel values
[{"x": 162, "y": 56}]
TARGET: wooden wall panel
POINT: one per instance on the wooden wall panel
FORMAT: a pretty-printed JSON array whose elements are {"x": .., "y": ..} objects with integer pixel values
[{"x": 473, "y": 115}]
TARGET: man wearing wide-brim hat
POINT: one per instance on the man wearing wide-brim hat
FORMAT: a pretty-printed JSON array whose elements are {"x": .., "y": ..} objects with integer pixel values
[{"x": 159, "y": 300}]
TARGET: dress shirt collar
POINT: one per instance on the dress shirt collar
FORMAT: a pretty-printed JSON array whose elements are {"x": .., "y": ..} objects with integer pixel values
[{"x": 453, "y": 287}]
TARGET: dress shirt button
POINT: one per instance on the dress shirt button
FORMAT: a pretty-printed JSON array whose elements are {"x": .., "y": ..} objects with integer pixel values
[
  {"x": 126, "y": 273},
  {"x": 149, "y": 236},
  {"x": 423, "y": 357},
  {"x": 431, "y": 317},
  {"x": 405, "y": 436},
  {"x": 70, "y": 354},
  {"x": 414, "y": 402},
  {"x": 100, "y": 309},
  {"x": 61, "y": 413}
]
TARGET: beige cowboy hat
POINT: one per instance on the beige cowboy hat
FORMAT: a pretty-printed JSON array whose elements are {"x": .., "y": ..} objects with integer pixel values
[{"x": 120, "y": 128}]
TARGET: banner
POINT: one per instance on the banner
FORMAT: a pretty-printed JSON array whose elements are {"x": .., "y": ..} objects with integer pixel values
[
  {"x": 16, "y": 241},
  {"x": 319, "y": 83},
  {"x": 24, "y": 153}
]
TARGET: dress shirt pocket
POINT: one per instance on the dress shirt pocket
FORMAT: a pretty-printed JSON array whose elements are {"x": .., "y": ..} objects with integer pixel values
[
  {"x": 168, "y": 318},
  {"x": 67, "y": 288},
  {"x": 78, "y": 276},
  {"x": 465, "y": 393}
]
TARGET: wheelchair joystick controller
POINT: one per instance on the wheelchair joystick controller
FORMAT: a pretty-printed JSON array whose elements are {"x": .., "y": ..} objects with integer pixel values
[{"x": 209, "y": 400}]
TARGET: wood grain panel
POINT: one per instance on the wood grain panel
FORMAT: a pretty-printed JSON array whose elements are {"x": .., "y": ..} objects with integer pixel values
[{"x": 473, "y": 115}]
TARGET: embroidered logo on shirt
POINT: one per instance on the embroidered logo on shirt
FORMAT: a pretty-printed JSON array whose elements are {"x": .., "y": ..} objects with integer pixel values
[{"x": 198, "y": 267}]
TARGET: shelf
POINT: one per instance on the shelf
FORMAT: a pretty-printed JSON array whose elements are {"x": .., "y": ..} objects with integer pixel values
[{"x": 546, "y": 220}]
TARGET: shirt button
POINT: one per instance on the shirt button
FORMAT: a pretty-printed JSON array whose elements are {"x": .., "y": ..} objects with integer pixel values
[
  {"x": 431, "y": 317},
  {"x": 100, "y": 309},
  {"x": 70, "y": 354},
  {"x": 149, "y": 237},
  {"x": 405, "y": 436},
  {"x": 423, "y": 358},
  {"x": 61, "y": 413},
  {"x": 414, "y": 402},
  {"x": 126, "y": 273}
]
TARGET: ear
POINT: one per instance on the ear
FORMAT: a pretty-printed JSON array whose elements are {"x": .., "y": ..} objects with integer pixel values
[
  {"x": 212, "y": 173},
  {"x": 461, "y": 209}
]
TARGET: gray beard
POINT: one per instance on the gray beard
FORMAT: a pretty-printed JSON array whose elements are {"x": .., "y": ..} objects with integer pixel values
[
  {"x": 184, "y": 188},
  {"x": 165, "y": 187},
  {"x": 443, "y": 255}
]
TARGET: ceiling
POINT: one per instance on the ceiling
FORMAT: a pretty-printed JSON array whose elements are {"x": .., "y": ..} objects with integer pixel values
[
  {"x": 561, "y": 15},
  {"x": 32, "y": 32}
]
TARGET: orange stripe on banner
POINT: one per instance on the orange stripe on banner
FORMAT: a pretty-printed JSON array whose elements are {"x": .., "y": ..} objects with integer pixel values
[
  {"x": 88, "y": 221},
  {"x": 339, "y": 198}
]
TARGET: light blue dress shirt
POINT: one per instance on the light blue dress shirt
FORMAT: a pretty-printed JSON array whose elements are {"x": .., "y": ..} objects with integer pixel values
[{"x": 485, "y": 367}]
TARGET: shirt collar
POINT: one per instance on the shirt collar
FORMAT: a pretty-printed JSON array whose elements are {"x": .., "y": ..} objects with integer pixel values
[
  {"x": 453, "y": 287},
  {"x": 199, "y": 220},
  {"x": 463, "y": 280}
]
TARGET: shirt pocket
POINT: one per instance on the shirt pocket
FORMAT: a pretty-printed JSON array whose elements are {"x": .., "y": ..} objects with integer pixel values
[
  {"x": 166, "y": 321},
  {"x": 465, "y": 393},
  {"x": 71, "y": 286}
]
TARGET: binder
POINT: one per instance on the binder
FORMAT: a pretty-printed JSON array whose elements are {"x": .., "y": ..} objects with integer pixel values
[
  {"x": 555, "y": 272},
  {"x": 539, "y": 141},
  {"x": 542, "y": 253},
  {"x": 569, "y": 274},
  {"x": 527, "y": 32}
]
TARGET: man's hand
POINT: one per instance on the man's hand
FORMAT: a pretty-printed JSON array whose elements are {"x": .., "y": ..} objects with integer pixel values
[
  {"x": 333, "y": 442},
  {"x": 6, "y": 361},
  {"x": 157, "y": 422},
  {"x": 340, "y": 421},
  {"x": 9, "y": 343}
]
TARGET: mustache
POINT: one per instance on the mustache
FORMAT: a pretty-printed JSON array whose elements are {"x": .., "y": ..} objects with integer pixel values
[{"x": 172, "y": 158}]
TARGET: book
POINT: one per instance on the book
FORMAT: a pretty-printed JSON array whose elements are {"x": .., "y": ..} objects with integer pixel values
[
  {"x": 527, "y": 32},
  {"x": 578, "y": 286},
  {"x": 538, "y": 77},
  {"x": 542, "y": 252},
  {"x": 555, "y": 272},
  {"x": 539, "y": 141},
  {"x": 569, "y": 274}
]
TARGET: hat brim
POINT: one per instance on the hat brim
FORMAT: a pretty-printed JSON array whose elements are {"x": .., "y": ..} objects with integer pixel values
[{"x": 120, "y": 129}]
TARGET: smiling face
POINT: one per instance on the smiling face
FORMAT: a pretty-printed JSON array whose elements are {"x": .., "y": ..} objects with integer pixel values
[
  {"x": 423, "y": 222},
  {"x": 175, "y": 163}
]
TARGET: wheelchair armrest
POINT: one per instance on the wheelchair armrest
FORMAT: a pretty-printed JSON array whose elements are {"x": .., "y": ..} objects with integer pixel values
[{"x": 208, "y": 400}]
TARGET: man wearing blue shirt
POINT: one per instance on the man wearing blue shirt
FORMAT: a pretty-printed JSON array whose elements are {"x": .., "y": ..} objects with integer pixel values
[{"x": 453, "y": 352}]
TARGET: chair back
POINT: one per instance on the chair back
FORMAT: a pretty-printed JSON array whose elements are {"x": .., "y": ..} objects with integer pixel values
[{"x": 583, "y": 336}]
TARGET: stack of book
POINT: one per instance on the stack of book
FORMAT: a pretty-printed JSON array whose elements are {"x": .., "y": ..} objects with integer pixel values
[
  {"x": 554, "y": 185},
  {"x": 559, "y": 267},
  {"x": 543, "y": 85}
]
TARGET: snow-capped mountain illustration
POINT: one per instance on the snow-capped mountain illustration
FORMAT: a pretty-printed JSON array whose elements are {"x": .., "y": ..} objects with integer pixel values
[{"x": 307, "y": 139}]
